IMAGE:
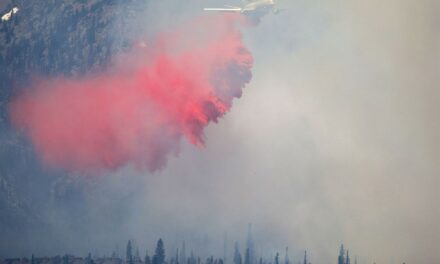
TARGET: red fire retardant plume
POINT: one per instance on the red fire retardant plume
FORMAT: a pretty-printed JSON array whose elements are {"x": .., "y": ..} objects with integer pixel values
[{"x": 138, "y": 111}]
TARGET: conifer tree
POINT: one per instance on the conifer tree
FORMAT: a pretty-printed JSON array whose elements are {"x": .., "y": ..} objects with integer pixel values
[
  {"x": 237, "y": 255},
  {"x": 247, "y": 257},
  {"x": 176, "y": 260},
  {"x": 192, "y": 258},
  {"x": 159, "y": 255},
  {"x": 183, "y": 259},
  {"x": 129, "y": 253},
  {"x": 89, "y": 259},
  {"x": 286, "y": 257},
  {"x": 147, "y": 259},
  {"x": 137, "y": 256},
  {"x": 341, "y": 259},
  {"x": 250, "y": 245}
]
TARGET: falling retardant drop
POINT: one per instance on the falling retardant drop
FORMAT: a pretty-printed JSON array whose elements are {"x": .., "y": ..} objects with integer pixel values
[{"x": 138, "y": 110}]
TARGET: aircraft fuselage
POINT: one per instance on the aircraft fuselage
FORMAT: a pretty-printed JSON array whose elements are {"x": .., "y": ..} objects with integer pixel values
[
  {"x": 250, "y": 7},
  {"x": 258, "y": 5}
]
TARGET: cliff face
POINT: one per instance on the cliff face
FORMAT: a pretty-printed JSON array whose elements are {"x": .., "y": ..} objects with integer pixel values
[{"x": 47, "y": 38}]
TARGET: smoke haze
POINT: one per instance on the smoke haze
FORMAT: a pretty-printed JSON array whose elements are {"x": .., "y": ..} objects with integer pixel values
[{"x": 334, "y": 141}]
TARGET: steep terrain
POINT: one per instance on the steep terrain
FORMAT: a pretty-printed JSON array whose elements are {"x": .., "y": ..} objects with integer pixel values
[{"x": 47, "y": 38}]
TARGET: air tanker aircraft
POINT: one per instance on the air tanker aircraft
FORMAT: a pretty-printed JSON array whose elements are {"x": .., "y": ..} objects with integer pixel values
[{"x": 249, "y": 7}]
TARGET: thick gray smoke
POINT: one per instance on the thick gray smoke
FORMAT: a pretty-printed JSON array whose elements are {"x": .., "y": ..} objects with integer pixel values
[{"x": 335, "y": 141}]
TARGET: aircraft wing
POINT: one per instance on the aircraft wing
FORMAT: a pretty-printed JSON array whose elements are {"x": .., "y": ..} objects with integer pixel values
[{"x": 235, "y": 9}]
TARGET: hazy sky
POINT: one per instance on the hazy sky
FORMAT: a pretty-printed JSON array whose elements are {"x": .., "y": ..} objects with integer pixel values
[{"x": 334, "y": 141}]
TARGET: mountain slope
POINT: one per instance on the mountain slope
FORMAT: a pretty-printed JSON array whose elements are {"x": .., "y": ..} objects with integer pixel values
[{"x": 50, "y": 38}]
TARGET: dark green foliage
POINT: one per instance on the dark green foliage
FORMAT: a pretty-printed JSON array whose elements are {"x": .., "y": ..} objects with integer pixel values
[
  {"x": 347, "y": 259},
  {"x": 341, "y": 258},
  {"x": 89, "y": 259},
  {"x": 129, "y": 253},
  {"x": 147, "y": 259},
  {"x": 159, "y": 254},
  {"x": 237, "y": 255},
  {"x": 247, "y": 257},
  {"x": 47, "y": 39}
]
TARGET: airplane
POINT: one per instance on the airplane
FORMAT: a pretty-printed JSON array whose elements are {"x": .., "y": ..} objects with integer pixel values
[{"x": 249, "y": 7}]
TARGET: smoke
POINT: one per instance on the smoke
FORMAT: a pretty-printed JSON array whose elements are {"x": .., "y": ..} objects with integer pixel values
[
  {"x": 337, "y": 141},
  {"x": 138, "y": 110}
]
